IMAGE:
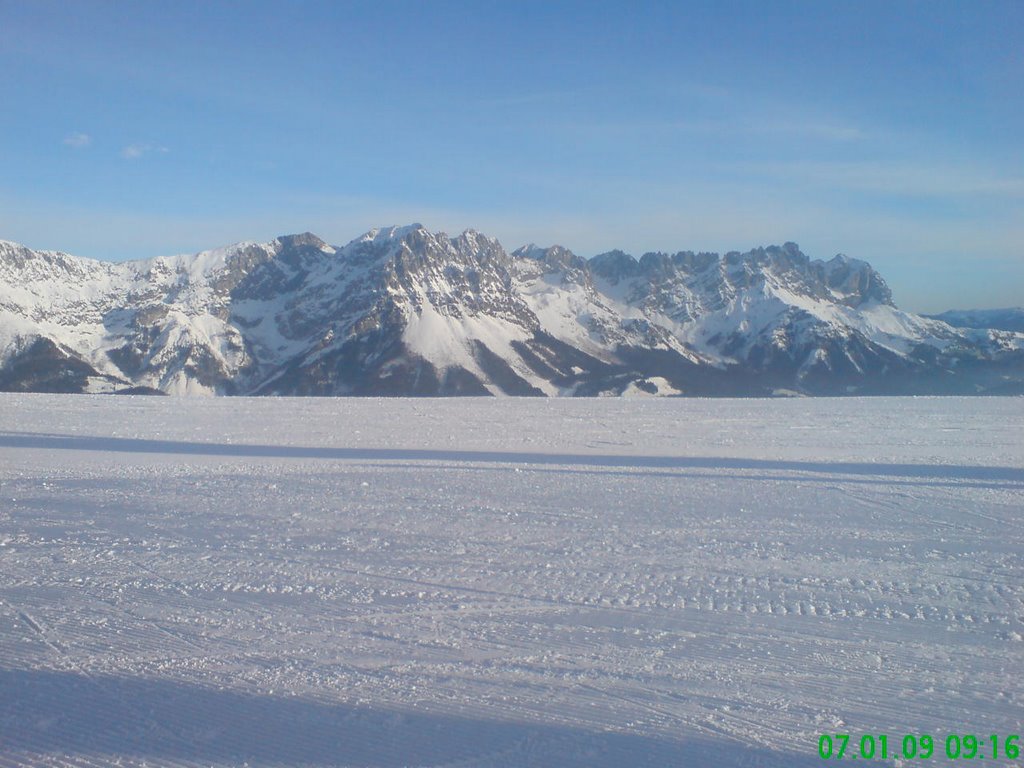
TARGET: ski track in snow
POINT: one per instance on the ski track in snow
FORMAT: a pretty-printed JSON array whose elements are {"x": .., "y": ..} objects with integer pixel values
[{"x": 506, "y": 583}]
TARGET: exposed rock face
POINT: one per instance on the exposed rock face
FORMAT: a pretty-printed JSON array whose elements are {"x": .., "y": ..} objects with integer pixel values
[{"x": 403, "y": 311}]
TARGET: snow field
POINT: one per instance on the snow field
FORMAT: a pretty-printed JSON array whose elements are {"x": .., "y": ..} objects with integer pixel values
[{"x": 484, "y": 582}]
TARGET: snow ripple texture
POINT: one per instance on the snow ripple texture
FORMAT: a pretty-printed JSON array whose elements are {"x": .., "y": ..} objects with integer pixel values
[{"x": 503, "y": 582}]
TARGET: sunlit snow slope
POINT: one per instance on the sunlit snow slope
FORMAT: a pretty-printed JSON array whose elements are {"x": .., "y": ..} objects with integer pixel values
[{"x": 384, "y": 583}]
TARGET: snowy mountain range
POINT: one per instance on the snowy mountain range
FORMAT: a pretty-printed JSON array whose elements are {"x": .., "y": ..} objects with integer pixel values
[
  {"x": 403, "y": 311},
  {"x": 1011, "y": 319}
]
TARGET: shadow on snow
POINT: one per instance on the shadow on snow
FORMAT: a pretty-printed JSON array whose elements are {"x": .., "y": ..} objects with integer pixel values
[
  {"x": 50, "y": 442},
  {"x": 66, "y": 713}
]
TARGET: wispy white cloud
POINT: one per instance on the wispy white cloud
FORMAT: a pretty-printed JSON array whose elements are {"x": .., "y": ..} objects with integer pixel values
[
  {"x": 911, "y": 180},
  {"x": 737, "y": 129},
  {"x": 135, "y": 151},
  {"x": 825, "y": 131},
  {"x": 535, "y": 98},
  {"x": 77, "y": 140}
]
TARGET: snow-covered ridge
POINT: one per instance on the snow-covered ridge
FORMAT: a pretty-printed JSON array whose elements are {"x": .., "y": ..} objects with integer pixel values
[
  {"x": 1009, "y": 319},
  {"x": 402, "y": 310}
]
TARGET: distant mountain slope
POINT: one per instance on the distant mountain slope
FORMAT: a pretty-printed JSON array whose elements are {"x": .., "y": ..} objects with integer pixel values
[
  {"x": 403, "y": 311},
  {"x": 1011, "y": 319}
]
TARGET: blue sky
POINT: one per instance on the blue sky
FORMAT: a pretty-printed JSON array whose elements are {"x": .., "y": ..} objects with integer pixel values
[{"x": 890, "y": 131}]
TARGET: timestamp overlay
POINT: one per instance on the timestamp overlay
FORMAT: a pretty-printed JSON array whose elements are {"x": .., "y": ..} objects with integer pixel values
[{"x": 919, "y": 746}]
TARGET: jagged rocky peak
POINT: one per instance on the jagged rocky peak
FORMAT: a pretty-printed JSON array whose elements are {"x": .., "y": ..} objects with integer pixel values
[
  {"x": 657, "y": 264},
  {"x": 614, "y": 265},
  {"x": 481, "y": 249},
  {"x": 555, "y": 257},
  {"x": 414, "y": 243},
  {"x": 456, "y": 275},
  {"x": 18, "y": 256},
  {"x": 382, "y": 244},
  {"x": 530, "y": 251},
  {"x": 305, "y": 239},
  {"x": 10, "y": 251},
  {"x": 695, "y": 262},
  {"x": 854, "y": 282},
  {"x": 416, "y": 249},
  {"x": 392, "y": 234},
  {"x": 788, "y": 256}
]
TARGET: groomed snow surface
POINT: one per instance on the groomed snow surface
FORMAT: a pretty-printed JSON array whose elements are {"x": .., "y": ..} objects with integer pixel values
[{"x": 476, "y": 582}]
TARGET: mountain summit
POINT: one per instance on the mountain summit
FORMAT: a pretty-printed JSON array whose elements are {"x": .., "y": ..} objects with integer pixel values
[{"x": 404, "y": 311}]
